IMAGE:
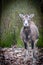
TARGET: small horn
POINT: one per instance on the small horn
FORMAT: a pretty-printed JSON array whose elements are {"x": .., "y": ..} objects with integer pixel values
[
  {"x": 21, "y": 15},
  {"x": 32, "y": 15}
]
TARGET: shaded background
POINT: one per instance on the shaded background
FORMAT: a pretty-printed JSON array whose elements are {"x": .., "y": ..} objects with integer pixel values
[{"x": 11, "y": 23}]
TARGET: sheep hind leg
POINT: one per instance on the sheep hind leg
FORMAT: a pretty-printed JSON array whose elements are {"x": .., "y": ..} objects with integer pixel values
[
  {"x": 35, "y": 44},
  {"x": 32, "y": 44}
]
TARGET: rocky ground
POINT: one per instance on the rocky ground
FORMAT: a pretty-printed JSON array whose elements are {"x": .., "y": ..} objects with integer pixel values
[{"x": 20, "y": 56}]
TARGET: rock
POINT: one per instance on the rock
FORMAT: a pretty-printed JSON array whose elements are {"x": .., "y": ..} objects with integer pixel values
[
  {"x": 18, "y": 51},
  {"x": 20, "y": 56}
]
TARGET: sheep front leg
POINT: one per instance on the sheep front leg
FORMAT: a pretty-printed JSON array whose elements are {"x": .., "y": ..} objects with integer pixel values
[{"x": 25, "y": 45}]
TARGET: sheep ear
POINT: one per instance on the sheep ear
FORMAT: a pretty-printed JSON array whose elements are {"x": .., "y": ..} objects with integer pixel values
[
  {"x": 21, "y": 15},
  {"x": 32, "y": 15}
]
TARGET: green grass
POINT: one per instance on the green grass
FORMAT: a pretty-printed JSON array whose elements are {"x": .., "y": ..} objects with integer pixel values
[
  {"x": 40, "y": 41},
  {"x": 20, "y": 43},
  {"x": 8, "y": 40}
]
